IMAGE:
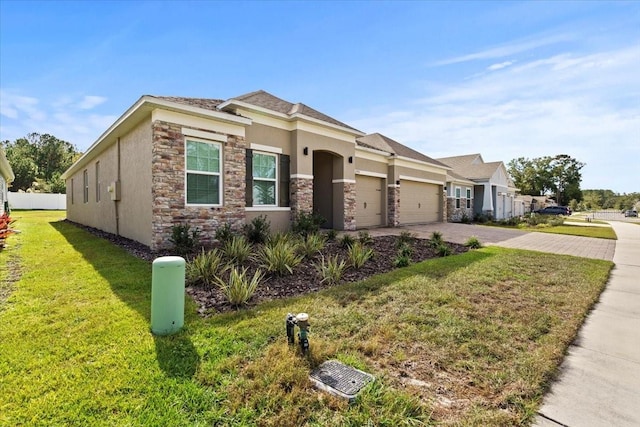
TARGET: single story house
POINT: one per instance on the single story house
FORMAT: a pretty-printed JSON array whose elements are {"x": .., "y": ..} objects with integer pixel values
[
  {"x": 6, "y": 178},
  {"x": 493, "y": 191},
  {"x": 459, "y": 194},
  {"x": 207, "y": 162}
]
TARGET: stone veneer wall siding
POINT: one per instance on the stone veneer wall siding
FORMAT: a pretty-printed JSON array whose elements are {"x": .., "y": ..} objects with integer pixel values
[
  {"x": 455, "y": 215},
  {"x": 168, "y": 187},
  {"x": 301, "y": 199},
  {"x": 349, "y": 206},
  {"x": 393, "y": 206}
]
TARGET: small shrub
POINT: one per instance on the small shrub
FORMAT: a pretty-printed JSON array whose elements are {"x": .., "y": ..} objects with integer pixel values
[
  {"x": 5, "y": 228},
  {"x": 405, "y": 250},
  {"x": 206, "y": 267},
  {"x": 184, "y": 239},
  {"x": 473, "y": 243},
  {"x": 556, "y": 221},
  {"x": 280, "y": 237},
  {"x": 257, "y": 231},
  {"x": 238, "y": 288},
  {"x": 405, "y": 238},
  {"x": 311, "y": 245},
  {"x": 364, "y": 237},
  {"x": 436, "y": 239},
  {"x": 280, "y": 258},
  {"x": 443, "y": 250},
  {"x": 401, "y": 261},
  {"x": 482, "y": 218},
  {"x": 465, "y": 218},
  {"x": 346, "y": 241},
  {"x": 331, "y": 235},
  {"x": 237, "y": 250},
  {"x": 359, "y": 254},
  {"x": 224, "y": 233},
  {"x": 332, "y": 270},
  {"x": 307, "y": 223}
]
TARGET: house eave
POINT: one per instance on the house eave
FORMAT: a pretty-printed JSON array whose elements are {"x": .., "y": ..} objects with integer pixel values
[
  {"x": 138, "y": 111},
  {"x": 5, "y": 168}
]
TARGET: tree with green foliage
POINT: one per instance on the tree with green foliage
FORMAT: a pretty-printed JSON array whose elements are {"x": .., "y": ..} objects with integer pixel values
[
  {"x": 38, "y": 162},
  {"x": 557, "y": 175}
]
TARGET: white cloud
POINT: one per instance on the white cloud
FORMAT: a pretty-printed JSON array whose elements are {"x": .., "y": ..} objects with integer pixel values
[
  {"x": 66, "y": 117},
  {"x": 89, "y": 102},
  {"x": 508, "y": 49},
  {"x": 582, "y": 105},
  {"x": 500, "y": 66}
]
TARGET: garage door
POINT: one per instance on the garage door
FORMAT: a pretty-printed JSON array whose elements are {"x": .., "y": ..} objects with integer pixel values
[
  {"x": 419, "y": 202},
  {"x": 369, "y": 196}
]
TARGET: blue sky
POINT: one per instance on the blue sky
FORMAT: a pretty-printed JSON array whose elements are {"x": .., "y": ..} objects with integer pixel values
[{"x": 505, "y": 79}]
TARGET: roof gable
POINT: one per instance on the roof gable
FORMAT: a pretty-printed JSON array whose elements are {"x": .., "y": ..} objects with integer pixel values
[
  {"x": 268, "y": 101},
  {"x": 380, "y": 142}
]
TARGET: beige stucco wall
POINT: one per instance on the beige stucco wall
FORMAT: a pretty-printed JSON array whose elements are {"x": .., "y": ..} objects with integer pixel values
[
  {"x": 135, "y": 205},
  {"x": 367, "y": 165},
  {"x": 270, "y": 136},
  {"x": 279, "y": 220},
  {"x": 441, "y": 178},
  {"x": 303, "y": 164},
  {"x": 95, "y": 213}
]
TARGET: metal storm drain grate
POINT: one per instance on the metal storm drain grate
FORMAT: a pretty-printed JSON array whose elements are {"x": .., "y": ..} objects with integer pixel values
[{"x": 339, "y": 379}]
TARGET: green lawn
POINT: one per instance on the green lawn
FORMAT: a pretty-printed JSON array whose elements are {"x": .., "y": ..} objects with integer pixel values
[
  {"x": 579, "y": 230},
  {"x": 466, "y": 340}
]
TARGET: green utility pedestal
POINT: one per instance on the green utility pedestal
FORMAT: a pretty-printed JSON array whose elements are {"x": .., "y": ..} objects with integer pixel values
[{"x": 167, "y": 295}]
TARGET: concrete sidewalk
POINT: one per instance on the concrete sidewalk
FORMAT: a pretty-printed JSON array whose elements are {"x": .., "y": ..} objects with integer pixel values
[{"x": 599, "y": 380}]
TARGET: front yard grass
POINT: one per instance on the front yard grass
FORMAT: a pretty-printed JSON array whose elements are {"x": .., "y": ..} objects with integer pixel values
[
  {"x": 472, "y": 339},
  {"x": 578, "y": 230}
]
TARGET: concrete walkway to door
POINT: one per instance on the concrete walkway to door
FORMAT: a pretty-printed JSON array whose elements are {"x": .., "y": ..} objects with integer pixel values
[{"x": 599, "y": 381}]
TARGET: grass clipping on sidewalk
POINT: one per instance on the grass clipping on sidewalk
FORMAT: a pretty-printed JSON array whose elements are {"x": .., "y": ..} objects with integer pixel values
[{"x": 472, "y": 339}]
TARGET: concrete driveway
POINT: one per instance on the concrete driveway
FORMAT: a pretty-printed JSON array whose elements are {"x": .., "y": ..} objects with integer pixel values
[{"x": 586, "y": 247}]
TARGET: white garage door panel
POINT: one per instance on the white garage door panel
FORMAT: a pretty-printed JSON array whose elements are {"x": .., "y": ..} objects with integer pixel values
[
  {"x": 419, "y": 202},
  {"x": 368, "y": 201}
]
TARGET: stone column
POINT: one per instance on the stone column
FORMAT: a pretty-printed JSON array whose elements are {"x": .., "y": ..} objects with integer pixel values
[
  {"x": 301, "y": 195},
  {"x": 393, "y": 205},
  {"x": 349, "y": 189}
]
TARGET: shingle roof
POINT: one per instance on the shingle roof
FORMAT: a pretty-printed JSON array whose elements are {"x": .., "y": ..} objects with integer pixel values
[
  {"x": 471, "y": 166},
  {"x": 206, "y": 103},
  {"x": 380, "y": 142},
  {"x": 264, "y": 99}
]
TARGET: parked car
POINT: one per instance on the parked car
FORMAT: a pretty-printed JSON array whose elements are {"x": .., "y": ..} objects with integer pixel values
[
  {"x": 554, "y": 210},
  {"x": 630, "y": 213}
]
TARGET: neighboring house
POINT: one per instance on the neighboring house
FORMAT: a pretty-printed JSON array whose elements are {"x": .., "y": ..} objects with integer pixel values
[
  {"x": 208, "y": 162},
  {"x": 6, "y": 178},
  {"x": 459, "y": 193},
  {"x": 493, "y": 191}
]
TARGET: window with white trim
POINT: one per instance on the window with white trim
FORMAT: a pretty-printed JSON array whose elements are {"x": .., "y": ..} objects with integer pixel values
[
  {"x": 457, "y": 197},
  {"x": 203, "y": 180},
  {"x": 265, "y": 172},
  {"x": 85, "y": 181},
  {"x": 468, "y": 198},
  {"x": 97, "y": 182}
]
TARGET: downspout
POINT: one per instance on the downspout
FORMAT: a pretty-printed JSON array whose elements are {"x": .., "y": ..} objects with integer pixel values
[{"x": 116, "y": 202}]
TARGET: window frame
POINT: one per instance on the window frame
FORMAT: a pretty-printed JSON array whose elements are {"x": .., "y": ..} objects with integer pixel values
[
  {"x": 469, "y": 198},
  {"x": 85, "y": 182},
  {"x": 219, "y": 174},
  {"x": 457, "y": 192},
  {"x": 97, "y": 181},
  {"x": 274, "y": 180}
]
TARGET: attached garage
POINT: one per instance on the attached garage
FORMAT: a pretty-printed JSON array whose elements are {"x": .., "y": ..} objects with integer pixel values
[
  {"x": 419, "y": 202},
  {"x": 369, "y": 201}
]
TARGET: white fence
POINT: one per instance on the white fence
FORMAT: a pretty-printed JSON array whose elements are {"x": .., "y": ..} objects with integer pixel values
[{"x": 38, "y": 201}]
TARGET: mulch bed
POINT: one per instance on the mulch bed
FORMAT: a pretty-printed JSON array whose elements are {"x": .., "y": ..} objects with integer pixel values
[{"x": 304, "y": 279}]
